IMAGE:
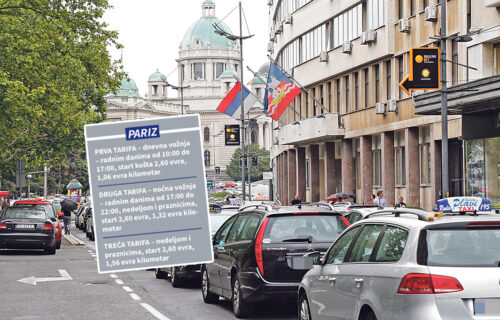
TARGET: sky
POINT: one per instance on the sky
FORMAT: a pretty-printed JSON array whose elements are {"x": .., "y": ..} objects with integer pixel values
[{"x": 151, "y": 31}]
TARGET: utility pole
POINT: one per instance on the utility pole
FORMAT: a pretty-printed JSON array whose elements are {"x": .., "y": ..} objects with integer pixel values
[
  {"x": 243, "y": 135},
  {"x": 45, "y": 171},
  {"x": 444, "y": 107}
]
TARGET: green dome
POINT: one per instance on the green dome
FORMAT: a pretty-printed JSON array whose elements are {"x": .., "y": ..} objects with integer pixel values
[
  {"x": 128, "y": 89},
  {"x": 257, "y": 80},
  {"x": 229, "y": 73},
  {"x": 157, "y": 77},
  {"x": 208, "y": 2},
  {"x": 204, "y": 31}
]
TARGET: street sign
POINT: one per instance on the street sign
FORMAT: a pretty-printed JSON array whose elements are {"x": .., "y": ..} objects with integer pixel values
[
  {"x": 149, "y": 199},
  {"x": 267, "y": 175},
  {"x": 210, "y": 183},
  {"x": 425, "y": 73},
  {"x": 232, "y": 134}
]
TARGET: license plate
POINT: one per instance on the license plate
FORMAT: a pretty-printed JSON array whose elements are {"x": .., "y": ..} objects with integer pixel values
[
  {"x": 25, "y": 226},
  {"x": 487, "y": 306}
]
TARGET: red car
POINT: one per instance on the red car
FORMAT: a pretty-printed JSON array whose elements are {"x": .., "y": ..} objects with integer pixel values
[{"x": 51, "y": 211}]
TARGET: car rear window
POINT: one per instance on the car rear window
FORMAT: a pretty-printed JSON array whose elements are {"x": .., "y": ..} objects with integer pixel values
[
  {"x": 464, "y": 247},
  {"x": 216, "y": 221},
  {"x": 24, "y": 213},
  {"x": 301, "y": 228}
]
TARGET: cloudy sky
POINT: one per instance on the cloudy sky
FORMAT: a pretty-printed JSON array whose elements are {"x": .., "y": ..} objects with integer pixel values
[{"x": 151, "y": 31}]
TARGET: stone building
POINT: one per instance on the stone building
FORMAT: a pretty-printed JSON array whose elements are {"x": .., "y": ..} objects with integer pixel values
[{"x": 351, "y": 55}]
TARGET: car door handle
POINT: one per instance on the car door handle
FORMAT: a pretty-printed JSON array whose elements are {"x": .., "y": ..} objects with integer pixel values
[
  {"x": 332, "y": 280},
  {"x": 359, "y": 282}
]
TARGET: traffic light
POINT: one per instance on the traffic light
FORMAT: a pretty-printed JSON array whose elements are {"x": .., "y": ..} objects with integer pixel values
[
  {"x": 241, "y": 160},
  {"x": 232, "y": 134},
  {"x": 217, "y": 170},
  {"x": 254, "y": 160}
]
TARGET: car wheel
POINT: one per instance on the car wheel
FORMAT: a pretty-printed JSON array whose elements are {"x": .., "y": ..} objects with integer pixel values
[
  {"x": 241, "y": 308},
  {"x": 50, "y": 250},
  {"x": 368, "y": 316},
  {"x": 304, "y": 312},
  {"x": 160, "y": 274},
  {"x": 174, "y": 278},
  {"x": 208, "y": 296}
]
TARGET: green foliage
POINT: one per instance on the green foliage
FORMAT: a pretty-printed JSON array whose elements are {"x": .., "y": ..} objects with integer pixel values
[
  {"x": 234, "y": 168},
  {"x": 55, "y": 70},
  {"x": 220, "y": 195}
]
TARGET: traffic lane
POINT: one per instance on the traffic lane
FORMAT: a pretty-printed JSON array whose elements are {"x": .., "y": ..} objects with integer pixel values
[
  {"x": 187, "y": 303},
  {"x": 87, "y": 295}
]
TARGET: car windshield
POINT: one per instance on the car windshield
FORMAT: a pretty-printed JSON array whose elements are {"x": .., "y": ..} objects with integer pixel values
[
  {"x": 216, "y": 221},
  {"x": 464, "y": 247},
  {"x": 305, "y": 228},
  {"x": 24, "y": 213}
]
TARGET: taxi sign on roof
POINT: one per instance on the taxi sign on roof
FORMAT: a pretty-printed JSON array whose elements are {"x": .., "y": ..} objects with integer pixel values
[{"x": 462, "y": 204}]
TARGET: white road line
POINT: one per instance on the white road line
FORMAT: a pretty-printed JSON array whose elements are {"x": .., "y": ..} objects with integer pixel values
[
  {"x": 118, "y": 281},
  {"x": 135, "y": 297},
  {"x": 154, "y": 312},
  {"x": 114, "y": 276},
  {"x": 127, "y": 289}
]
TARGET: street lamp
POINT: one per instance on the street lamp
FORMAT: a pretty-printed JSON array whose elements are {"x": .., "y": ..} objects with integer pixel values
[
  {"x": 29, "y": 180},
  {"x": 218, "y": 30},
  {"x": 213, "y": 145},
  {"x": 181, "y": 89}
]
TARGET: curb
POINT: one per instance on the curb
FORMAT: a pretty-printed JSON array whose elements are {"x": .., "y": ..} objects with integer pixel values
[{"x": 73, "y": 240}]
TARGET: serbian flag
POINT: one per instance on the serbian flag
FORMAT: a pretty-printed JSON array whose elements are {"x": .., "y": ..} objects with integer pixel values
[
  {"x": 231, "y": 104},
  {"x": 280, "y": 92}
]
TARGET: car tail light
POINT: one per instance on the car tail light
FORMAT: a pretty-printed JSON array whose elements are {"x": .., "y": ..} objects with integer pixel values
[
  {"x": 258, "y": 246},
  {"x": 484, "y": 224},
  {"x": 48, "y": 226},
  {"x": 3, "y": 226},
  {"x": 418, "y": 283},
  {"x": 312, "y": 212}
]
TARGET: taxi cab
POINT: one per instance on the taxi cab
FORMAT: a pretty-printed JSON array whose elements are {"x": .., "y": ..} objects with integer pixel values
[{"x": 410, "y": 264}]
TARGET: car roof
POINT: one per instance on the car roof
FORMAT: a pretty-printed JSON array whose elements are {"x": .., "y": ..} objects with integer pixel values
[
  {"x": 33, "y": 202},
  {"x": 286, "y": 210}
]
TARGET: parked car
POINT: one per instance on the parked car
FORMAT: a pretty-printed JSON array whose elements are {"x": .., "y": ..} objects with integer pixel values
[
  {"x": 180, "y": 274},
  {"x": 51, "y": 211},
  {"x": 83, "y": 218},
  {"x": 80, "y": 209},
  {"x": 253, "y": 251},
  {"x": 28, "y": 227},
  {"x": 408, "y": 264},
  {"x": 90, "y": 225}
]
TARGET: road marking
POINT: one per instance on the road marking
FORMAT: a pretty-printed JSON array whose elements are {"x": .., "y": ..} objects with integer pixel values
[
  {"x": 127, "y": 289},
  {"x": 32, "y": 280},
  {"x": 114, "y": 276},
  {"x": 154, "y": 312},
  {"x": 118, "y": 281},
  {"x": 135, "y": 297}
]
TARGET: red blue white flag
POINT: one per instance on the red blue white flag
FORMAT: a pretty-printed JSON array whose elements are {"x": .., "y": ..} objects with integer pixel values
[
  {"x": 231, "y": 104},
  {"x": 280, "y": 92}
]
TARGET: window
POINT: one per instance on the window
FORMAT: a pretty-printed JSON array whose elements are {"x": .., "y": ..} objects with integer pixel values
[
  {"x": 365, "y": 243},
  {"x": 250, "y": 228},
  {"x": 377, "y": 167},
  {"x": 389, "y": 80},
  {"x": 337, "y": 83},
  {"x": 425, "y": 164},
  {"x": 207, "y": 158},
  {"x": 356, "y": 90},
  {"x": 426, "y": 3},
  {"x": 401, "y": 76},
  {"x": 375, "y": 12},
  {"x": 299, "y": 227},
  {"x": 339, "y": 249},
  {"x": 198, "y": 71},
  {"x": 400, "y": 9},
  {"x": 307, "y": 174},
  {"x": 183, "y": 72},
  {"x": 313, "y": 93},
  {"x": 218, "y": 69},
  {"x": 236, "y": 229},
  {"x": 223, "y": 231},
  {"x": 330, "y": 102},
  {"x": 367, "y": 88},
  {"x": 206, "y": 134},
  {"x": 236, "y": 67},
  {"x": 347, "y": 95},
  {"x": 400, "y": 166},
  {"x": 354, "y": 217},
  {"x": 454, "y": 59},
  {"x": 496, "y": 54},
  {"x": 391, "y": 245},
  {"x": 377, "y": 83},
  {"x": 412, "y": 7}
]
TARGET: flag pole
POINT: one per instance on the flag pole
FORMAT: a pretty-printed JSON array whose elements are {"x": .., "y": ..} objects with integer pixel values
[
  {"x": 267, "y": 88},
  {"x": 243, "y": 129},
  {"x": 300, "y": 86}
]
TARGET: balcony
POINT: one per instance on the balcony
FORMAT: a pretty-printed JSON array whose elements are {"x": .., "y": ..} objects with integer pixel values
[{"x": 311, "y": 129}]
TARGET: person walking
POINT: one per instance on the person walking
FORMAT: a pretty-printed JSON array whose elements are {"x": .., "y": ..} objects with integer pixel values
[
  {"x": 372, "y": 198},
  {"x": 296, "y": 200},
  {"x": 379, "y": 200},
  {"x": 401, "y": 203},
  {"x": 67, "y": 220}
]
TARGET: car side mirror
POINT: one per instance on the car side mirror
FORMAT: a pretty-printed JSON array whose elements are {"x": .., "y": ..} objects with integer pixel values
[{"x": 53, "y": 219}]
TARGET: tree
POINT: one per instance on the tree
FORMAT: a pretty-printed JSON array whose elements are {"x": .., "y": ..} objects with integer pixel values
[
  {"x": 234, "y": 168},
  {"x": 55, "y": 70}
]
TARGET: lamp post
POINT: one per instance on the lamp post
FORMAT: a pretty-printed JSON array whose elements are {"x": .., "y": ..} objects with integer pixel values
[
  {"x": 29, "y": 192},
  {"x": 222, "y": 32},
  {"x": 181, "y": 89},
  {"x": 213, "y": 147}
]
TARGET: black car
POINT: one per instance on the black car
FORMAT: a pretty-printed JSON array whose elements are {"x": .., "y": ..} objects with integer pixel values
[
  {"x": 254, "y": 252},
  {"x": 28, "y": 228}
]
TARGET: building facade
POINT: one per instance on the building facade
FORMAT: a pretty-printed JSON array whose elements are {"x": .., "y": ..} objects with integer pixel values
[{"x": 365, "y": 133}]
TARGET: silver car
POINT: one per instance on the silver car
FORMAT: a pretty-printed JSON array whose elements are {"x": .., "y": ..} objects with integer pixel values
[{"x": 396, "y": 264}]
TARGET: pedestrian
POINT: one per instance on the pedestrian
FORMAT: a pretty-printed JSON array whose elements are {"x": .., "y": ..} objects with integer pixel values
[
  {"x": 67, "y": 220},
  {"x": 296, "y": 200},
  {"x": 372, "y": 198},
  {"x": 379, "y": 200},
  {"x": 401, "y": 203},
  {"x": 4, "y": 204}
]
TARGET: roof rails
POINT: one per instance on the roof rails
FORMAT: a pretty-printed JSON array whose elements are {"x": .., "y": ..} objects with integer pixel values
[
  {"x": 322, "y": 204},
  {"x": 422, "y": 216},
  {"x": 266, "y": 206}
]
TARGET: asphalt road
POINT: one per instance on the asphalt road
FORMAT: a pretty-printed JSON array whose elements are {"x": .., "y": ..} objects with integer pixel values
[{"x": 89, "y": 295}]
